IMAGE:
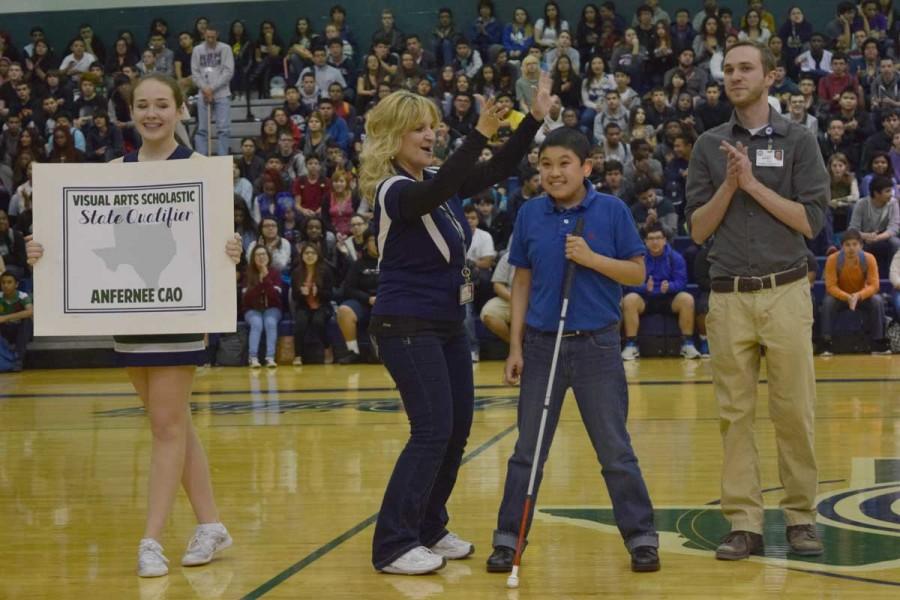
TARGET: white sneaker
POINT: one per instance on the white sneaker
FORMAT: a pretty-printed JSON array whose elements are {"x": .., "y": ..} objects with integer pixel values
[
  {"x": 298, "y": 362},
  {"x": 418, "y": 561},
  {"x": 270, "y": 363},
  {"x": 688, "y": 350},
  {"x": 254, "y": 363},
  {"x": 476, "y": 356},
  {"x": 151, "y": 562},
  {"x": 453, "y": 548},
  {"x": 208, "y": 539},
  {"x": 631, "y": 352}
]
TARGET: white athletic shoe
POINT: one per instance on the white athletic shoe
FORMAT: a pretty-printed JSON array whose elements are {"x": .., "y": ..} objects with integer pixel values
[
  {"x": 453, "y": 548},
  {"x": 689, "y": 350},
  {"x": 208, "y": 539},
  {"x": 418, "y": 561},
  {"x": 476, "y": 356},
  {"x": 271, "y": 364},
  {"x": 151, "y": 561},
  {"x": 254, "y": 363},
  {"x": 631, "y": 352},
  {"x": 298, "y": 361}
]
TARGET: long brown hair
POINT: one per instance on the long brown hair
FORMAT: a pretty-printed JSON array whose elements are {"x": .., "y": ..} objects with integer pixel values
[
  {"x": 301, "y": 272},
  {"x": 253, "y": 277},
  {"x": 67, "y": 153}
]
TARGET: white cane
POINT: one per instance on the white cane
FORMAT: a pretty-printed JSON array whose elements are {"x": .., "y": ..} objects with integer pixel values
[{"x": 209, "y": 106}]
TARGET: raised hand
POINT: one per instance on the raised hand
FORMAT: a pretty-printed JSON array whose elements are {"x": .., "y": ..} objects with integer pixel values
[
  {"x": 540, "y": 104},
  {"x": 488, "y": 116}
]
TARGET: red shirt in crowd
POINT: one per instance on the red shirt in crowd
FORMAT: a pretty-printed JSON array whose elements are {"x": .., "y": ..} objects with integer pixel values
[{"x": 310, "y": 194}]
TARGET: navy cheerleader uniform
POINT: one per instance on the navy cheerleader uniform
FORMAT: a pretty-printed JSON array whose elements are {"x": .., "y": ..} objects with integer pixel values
[
  {"x": 417, "y": 322},
  {"x": 160, "y": 350}
]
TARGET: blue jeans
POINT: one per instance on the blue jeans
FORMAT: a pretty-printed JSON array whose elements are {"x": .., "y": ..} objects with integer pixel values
[
  {"x": 222, "y": 116},
  {"x": 871, "y": 308},
  {"x": 434, "y": 377},
  {"x": 586, "y": 123},
  {"x": 258, "y": 320},
  {"x": 592, "y": 367}
]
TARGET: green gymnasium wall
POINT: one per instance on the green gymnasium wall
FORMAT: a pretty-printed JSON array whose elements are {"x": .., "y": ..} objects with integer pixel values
[{"x": 61, "y": 18}]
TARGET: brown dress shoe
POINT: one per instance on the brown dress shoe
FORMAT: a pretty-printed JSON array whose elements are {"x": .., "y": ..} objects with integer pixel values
[
  {"x": 804, "y": 540},
  {"x": 738, "y": 545}
]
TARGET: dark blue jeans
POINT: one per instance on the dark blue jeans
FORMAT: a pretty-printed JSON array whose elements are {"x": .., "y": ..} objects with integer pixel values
[
  {"x": 592, "y": 367},
  {"x": 434, "y": 377}
]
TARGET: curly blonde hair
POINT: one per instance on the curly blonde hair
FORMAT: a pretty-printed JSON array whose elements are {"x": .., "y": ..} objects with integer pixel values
[{"x": 386, "y": 124}]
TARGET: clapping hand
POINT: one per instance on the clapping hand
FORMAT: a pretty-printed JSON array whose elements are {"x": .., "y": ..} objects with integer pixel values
[{"x": 739, "y": 166}]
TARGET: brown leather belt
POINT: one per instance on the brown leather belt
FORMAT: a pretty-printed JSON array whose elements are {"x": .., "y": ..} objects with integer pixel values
[{"x": 726, "y": 285}]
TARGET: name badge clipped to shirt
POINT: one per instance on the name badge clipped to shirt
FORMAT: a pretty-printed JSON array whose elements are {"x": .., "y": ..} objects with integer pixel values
[
  {"x": 467, "y": 289},
  {"x": 769, "y": 158},
  {"x": 466, "y": 293}
]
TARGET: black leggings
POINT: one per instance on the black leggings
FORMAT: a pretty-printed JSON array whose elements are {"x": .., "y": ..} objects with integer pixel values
[{"x": 304, "y": 319}]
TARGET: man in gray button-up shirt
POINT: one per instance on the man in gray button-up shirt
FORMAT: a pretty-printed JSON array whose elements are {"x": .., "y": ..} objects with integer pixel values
[
  {"x": 751, "y": 238},
  {"x": 759, "y": 184}
]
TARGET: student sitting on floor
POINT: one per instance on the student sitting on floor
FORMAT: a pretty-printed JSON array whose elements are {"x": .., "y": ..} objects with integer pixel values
[
  {"x": 851, "y": 282},
  {"x": 662, "y": 292},
  {"x": 15, "y": 313}
]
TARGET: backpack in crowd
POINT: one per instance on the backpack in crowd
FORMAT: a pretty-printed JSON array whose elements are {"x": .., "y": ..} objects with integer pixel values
[
  {"x": 893, "y": 335},
  {"x": 232, "y": 349}
]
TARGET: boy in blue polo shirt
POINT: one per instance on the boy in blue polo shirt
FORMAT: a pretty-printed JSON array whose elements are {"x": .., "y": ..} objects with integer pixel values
[{"x": 609, "y": 255}]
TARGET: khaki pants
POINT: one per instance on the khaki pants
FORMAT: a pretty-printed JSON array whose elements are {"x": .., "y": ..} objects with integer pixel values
[{"x": 738, "y": 323}]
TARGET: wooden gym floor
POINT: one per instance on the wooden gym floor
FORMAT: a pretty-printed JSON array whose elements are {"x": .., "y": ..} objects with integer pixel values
[{"x": 300, "y": 458}]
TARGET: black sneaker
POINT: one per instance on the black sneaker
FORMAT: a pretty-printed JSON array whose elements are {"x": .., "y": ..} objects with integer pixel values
[
  {"x": 644, "y": 559},
  {"x": 881, "y": 347},
  {"x": 351, "y": 358},
  {"x": 501, "y": 560}
]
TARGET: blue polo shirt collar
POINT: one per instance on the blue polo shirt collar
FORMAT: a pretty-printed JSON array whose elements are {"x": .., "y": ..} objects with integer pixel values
[{"x": 550, "y": 206}]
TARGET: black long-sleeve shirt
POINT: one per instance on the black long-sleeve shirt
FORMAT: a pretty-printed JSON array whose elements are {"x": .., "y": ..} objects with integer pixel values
[{"x": 461, "y": 175}]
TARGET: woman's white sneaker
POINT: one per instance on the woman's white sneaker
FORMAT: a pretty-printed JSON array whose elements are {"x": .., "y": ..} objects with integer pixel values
[
  {"x": 452, "y": 547},
  {"x": 208, "y": 539},
  {"x": 151, "y": 562},
  {"x": 418, "y": 561}
]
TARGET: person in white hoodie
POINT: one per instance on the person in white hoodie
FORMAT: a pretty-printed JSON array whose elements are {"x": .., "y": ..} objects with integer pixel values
[{"x": 212, "y": 65}]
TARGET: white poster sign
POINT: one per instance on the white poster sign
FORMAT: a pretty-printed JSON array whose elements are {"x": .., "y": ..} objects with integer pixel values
[{"x": 134, "y": 248}]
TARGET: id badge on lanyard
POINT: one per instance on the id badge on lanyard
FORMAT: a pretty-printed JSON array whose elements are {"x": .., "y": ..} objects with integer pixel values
[{"x": 467, "y": 289}]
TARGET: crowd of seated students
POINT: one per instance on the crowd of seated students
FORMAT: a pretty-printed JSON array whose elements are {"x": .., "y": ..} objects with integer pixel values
[{"x": 641, "y": 86}]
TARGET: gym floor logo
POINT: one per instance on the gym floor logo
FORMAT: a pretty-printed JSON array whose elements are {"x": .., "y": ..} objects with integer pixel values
[
  {"x": 272, "y": 403},
  {"x": 859, "y": 524}
]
